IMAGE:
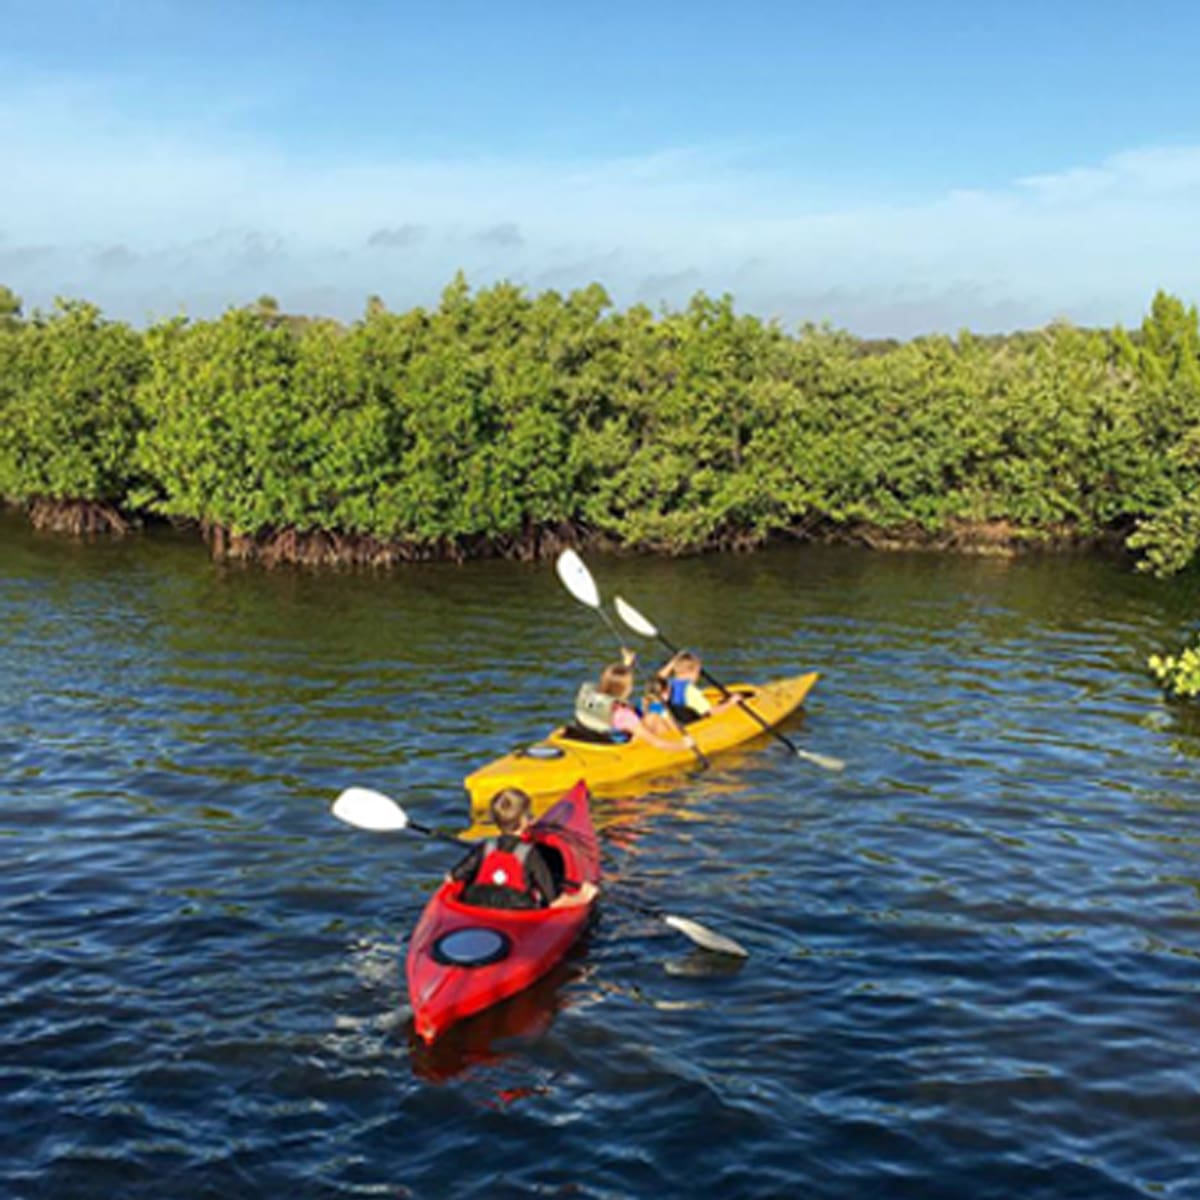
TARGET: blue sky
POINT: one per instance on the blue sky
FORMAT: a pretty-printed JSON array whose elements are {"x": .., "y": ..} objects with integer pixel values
[{"x": 891, "y": 168}]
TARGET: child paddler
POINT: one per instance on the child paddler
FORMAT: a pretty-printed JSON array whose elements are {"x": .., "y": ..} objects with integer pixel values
[
  {"x": 608, "y": 709},
  {"x": 685, "y": 697},
  {"x": 510, "y": 871}
]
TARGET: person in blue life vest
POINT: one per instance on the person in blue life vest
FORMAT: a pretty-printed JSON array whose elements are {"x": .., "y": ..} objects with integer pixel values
[
  {"x": 656, "y": 698},
  {"x": 685, "y": 698},
  {"x": 609, "y": 709},
  {"x": 510, "y": 871}
]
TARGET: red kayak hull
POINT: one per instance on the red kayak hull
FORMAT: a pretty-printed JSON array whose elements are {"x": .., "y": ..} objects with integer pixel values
[{"x": 463, "y": 959}]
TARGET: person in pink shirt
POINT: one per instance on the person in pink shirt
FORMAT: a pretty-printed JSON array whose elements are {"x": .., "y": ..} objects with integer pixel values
[{"x": 616, "y": 681}]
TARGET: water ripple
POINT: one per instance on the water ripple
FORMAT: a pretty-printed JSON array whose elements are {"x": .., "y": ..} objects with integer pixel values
[{"x": 975, "y": 955}]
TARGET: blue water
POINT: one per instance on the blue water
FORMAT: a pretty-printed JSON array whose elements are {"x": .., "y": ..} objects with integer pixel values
[{"x": 975, "y": 955}]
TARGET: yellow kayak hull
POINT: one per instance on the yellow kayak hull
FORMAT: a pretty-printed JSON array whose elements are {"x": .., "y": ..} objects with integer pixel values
[{"x": 552, "y": 766}]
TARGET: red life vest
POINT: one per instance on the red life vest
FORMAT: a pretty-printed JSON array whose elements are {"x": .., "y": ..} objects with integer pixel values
[{"x": 504, "y": 868}]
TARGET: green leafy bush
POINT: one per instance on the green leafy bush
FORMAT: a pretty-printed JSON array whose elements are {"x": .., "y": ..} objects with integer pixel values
[
  {"x": 1178, "y": 674},
  {"x": 498, "y": 413},
  {"x": 68, "y": 418}
]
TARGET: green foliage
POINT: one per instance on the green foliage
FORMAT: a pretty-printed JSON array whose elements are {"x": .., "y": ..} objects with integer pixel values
[
  {"x": 68, "y": 421},
  {"x": 1169, "y": 525},
  {"x": 10, "y": 310},
  {"x": 222, "y": 435},
  {"x": 497, "y": 413},
  {"x": 1179, "y": 674}
]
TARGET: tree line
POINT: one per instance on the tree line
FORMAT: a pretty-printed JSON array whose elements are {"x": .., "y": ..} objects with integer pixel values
[{"x": 504, "y": 422}]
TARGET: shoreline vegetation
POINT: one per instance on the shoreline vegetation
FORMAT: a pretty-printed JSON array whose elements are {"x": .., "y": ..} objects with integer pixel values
[
  {"x": 330, "y": 548},
  {"x": 506, "y": 424}
]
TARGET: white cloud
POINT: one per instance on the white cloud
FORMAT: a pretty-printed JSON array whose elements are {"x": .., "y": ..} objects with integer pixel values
[{"x": 148, "y": 220}]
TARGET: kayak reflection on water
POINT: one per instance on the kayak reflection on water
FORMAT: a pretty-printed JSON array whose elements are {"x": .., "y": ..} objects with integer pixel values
[{"x": 502, "y": 1032}]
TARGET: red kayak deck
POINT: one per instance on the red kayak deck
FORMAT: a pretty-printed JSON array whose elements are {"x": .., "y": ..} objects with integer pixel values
[{"x": 463, "y": 958}]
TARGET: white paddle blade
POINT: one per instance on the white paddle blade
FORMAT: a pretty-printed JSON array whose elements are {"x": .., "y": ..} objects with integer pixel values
[
  {"x": 634, "y": 619},
  {"x": 577, "y": 579},
  {"x": 822, "y": 760},
  {"x": 365, "y": 809},
  {"x": 703, "y": 936}
]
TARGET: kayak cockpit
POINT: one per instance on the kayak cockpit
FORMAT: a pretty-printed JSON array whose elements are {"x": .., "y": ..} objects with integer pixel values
[
  {"x": 556, "y": 862},
  {"x": 581, "y": 735}
]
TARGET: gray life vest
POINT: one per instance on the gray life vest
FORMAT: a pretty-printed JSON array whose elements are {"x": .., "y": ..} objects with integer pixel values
[{"x": 594, "y": 709}]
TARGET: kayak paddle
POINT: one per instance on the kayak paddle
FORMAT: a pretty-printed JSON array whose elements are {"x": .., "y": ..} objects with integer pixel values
[
  {"x": 705, "y": 938},
  {"x": 641, "y": 625},
  {"x": 578, "y": 580},
  {"x": 367, "y": 809}
]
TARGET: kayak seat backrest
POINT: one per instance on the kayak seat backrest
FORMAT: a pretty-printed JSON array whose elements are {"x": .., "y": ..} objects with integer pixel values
[
  {"x": 556, "y": 861},
  {"x": 577, "y": 733},
  {"x": 593, "y": 708}
]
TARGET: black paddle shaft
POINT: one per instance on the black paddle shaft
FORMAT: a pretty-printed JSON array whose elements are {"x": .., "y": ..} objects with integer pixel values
[{"x": 437, "y": 835}]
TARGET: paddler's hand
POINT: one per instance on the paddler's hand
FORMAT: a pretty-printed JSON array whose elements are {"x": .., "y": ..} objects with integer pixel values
[
  {"x": 628, "y": 657},
  {"x": 585, "y": 893}
]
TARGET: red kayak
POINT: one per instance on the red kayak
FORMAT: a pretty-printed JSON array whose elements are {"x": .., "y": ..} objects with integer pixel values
[{"x": 463, "y": 958}]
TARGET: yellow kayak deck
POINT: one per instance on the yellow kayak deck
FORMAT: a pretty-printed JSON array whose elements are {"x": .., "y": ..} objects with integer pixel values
[{"x": 552, "y": 766}]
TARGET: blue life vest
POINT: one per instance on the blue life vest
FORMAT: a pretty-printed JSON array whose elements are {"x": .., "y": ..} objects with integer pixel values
[{"x": 677, "y": 698}]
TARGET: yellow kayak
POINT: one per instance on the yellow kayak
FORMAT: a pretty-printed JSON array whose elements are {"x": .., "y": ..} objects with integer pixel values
[{"x": 552, "y": 766}]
